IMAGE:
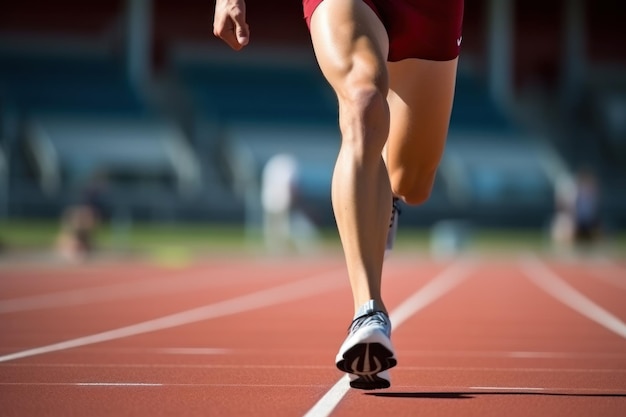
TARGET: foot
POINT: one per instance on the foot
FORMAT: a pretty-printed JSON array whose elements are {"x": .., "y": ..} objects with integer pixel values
[{"x": 367, "y": 352}]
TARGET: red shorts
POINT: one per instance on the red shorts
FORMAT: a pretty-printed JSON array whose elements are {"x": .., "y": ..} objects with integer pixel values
[{"x": 426, "y": 29}]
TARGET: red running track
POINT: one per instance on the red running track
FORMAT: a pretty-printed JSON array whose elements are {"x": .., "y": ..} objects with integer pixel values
[{"x": 520, "y": 336}]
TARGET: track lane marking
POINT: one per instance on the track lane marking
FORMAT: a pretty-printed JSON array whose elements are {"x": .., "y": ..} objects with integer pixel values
[
  {"x": 170, "y": 283},
  {"x": 513, "y": 354},
  {"x": 434, "y": 289},
  {"x": 117, "y": 384},
  {"x": 317, "y": 284},
  {"x": 616, "y": 276},
  {"x": 604, "y": 392},
  {"x": 150, "y": 384},
  {"x": 306, "y": 367},
  {"x": 194, "y": 351},
  {"x": 509, "y": 388},
  {"x": 557, "y": 287}
]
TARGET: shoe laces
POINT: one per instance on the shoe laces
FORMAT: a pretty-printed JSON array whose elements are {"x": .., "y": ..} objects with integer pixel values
[
  {"x": 395, "y": 210},
  {"x": 374, "y": 317}
]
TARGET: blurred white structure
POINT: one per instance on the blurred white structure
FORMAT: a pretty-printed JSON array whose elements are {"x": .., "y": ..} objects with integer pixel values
[
  {"x": 257, "y": 153},
  {"x": 70, "y": 149},
  {"x": 284, "y": 223}
]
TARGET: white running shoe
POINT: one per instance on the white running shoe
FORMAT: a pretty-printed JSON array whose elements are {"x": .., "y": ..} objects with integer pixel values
[
  {"x": 367, "y": 352},
  {"x": 393, "y": 225}
]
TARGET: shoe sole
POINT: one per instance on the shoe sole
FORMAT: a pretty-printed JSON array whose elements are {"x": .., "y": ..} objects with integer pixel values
[{"x": 367, "y": 361}]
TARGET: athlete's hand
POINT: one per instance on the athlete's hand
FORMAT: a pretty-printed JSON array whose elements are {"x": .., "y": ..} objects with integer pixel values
[{"x": 229, "y": 23}]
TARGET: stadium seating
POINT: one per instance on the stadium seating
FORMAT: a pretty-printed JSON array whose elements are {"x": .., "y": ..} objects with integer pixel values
[
  {"x": 67, "y": 83},
  {"x": 78, "y": 114},
  {"x": 274, "y": 90},
  {"x": 81, "y": 114}
]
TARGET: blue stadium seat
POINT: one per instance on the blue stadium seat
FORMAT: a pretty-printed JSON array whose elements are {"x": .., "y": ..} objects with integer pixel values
[
  {"x": 261, "y": 93},
  {"x": 67, "y": 83}
]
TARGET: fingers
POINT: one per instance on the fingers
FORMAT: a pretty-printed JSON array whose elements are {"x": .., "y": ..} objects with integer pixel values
[
  {"x": 230, "y": 23},
  {"x": 235, "y": 35},
  {"x": 242, "y": 32}
]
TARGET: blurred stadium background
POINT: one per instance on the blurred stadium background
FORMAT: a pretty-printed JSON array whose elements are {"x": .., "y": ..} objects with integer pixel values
[{"x": 135, "y": 105}]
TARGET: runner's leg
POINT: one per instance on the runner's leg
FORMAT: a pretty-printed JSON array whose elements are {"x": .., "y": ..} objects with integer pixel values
[{"x": 351, "y": 46}]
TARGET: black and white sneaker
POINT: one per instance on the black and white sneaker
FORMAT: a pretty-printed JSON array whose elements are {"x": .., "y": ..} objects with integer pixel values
[
  {"x": 367, "y": 352},
  {"x": 393, "y": 225}
]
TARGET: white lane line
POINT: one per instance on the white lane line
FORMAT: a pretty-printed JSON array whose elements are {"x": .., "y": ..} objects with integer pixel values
[
  {"x": 554, "y": 285},
  {"x": 610, "y": 273},
  {"x": 280, "y": 294},
  {"x": 603, "y": 268},
  {"x": 426, "y": 389},
  {"x": 89, "y": 295},
  {"x": 508, "y": 370},
  {"x": 148, "y": 384},
  {"x": 434, "y": 289},
  {"x": 116, "y": 384},
  {"x": 193, "y": 351},
  {"x": 120, "y": 291},
  {"x": 518, "y": 354},
  {"x": 308, "y": 367},
  {"x": 509, "y": 388},
  {"x": 603, "y": 391},
  {"x": 331, "y": 399},
  {"x": 614, "y": 280},
  {"x": 161, "y": 365},
  {"x": 438, "y": 286}
]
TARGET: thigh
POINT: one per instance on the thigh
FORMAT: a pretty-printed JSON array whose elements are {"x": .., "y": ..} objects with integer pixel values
[
  {"x": 420, "y": 100},
  {"x": 349, "y": 42}
]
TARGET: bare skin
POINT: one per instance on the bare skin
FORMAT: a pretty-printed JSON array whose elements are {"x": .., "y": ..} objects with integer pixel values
[
  {"x": 420, "y": 100},
  {"x": 229, "y": 23},
  {"x": 393, "y": 119},
  {"x": 351, "y": 46}
]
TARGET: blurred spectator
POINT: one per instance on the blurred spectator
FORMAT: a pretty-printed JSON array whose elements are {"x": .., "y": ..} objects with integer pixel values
[
  {"x": 577, "y": 219},
  {"x": 586, "y": 209},
  {"x": 285, "y": 224},
  {"x": 80, "y": 220}
]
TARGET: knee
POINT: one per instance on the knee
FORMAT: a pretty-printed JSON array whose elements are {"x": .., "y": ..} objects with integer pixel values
[
  {"x": 364, "y": 118},
  {"x": 416, "y": 196},
  {"x": 414, "y": 189},
  {"x": 364, "y": 85},
  {"x": 363, "y": 103},
  {"x": 364, "y": 97}
]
